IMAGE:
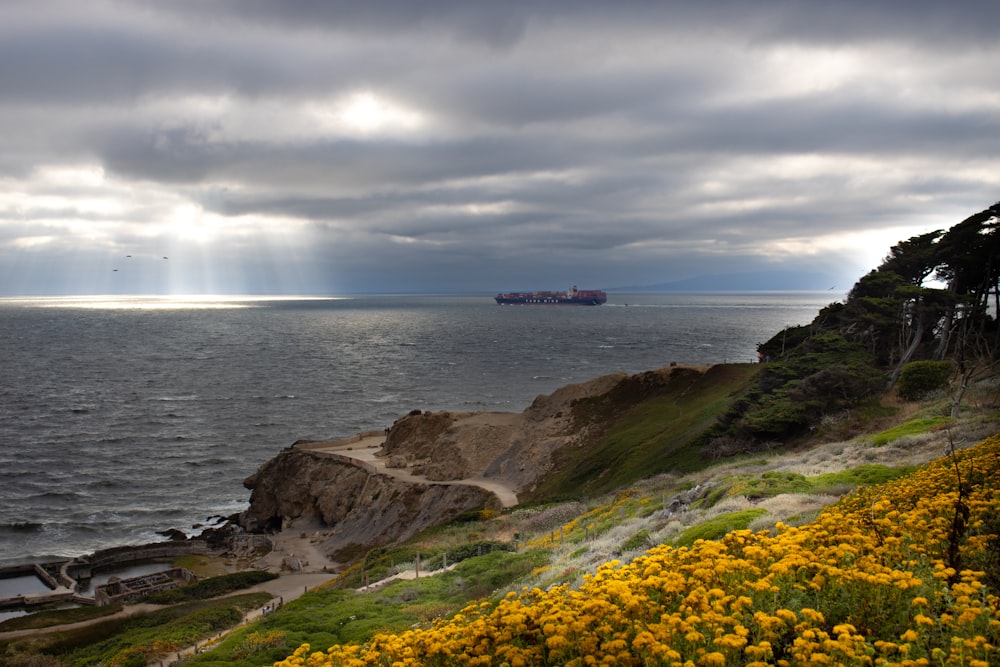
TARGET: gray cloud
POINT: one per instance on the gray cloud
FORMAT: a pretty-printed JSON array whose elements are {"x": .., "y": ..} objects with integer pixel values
[{"x": 399, "y": 145}]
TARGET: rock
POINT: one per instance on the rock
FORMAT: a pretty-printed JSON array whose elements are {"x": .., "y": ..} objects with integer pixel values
[
  {"x": 355, "y": 508},
  {"x": 173, "y": 534}
]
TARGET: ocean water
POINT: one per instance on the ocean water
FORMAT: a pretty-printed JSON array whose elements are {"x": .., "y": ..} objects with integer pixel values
[{"x": 124, "y": 416}]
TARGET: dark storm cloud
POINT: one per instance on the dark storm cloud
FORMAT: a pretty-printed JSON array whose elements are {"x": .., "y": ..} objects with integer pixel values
[
  {"x": 424, "y": 144},
  {"x": 503, "y": 23}
]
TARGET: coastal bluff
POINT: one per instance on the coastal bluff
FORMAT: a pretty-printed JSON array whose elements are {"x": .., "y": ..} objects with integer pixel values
[
  {"x": 428, "y": 468},
  {"x": 352, "y": 507}
]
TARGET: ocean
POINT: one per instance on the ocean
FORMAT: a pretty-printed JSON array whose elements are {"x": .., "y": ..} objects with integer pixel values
[{"x": 124, "y": 416}]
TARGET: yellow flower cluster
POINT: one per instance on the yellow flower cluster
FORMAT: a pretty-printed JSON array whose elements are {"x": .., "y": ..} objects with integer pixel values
[
  {"x": 142, "y": 654},
  {"x": 256, "y": 642},
  {"x": 885, "y": 577}
]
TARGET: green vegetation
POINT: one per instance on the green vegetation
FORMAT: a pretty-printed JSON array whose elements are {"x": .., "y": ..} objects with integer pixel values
[
  {"x": 652, "y": 427},
  {"x": 205, "y": 589},
  {"x": 891, "y": 328},
  {"x": 329, "y": 616},
  {"x": 919, "y": 378},
  {"x": 45, "y": 619},
  {"x": 716, "y": 528},
  {"x": 134, "y": 640},
  {"x": 912, "y": 427},
  {"x": 380, "y": 562},
  {"x": 773, "y": 483},
  {"x": 823, "y": 375},
  {"x": 640, "y": 540}
]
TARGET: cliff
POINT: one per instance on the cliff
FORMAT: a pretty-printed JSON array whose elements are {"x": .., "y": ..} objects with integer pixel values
[
  {"x": 430, "y": 467},
  {"x": 355, "y": 508},
  {"x": 514, "y": 449}
]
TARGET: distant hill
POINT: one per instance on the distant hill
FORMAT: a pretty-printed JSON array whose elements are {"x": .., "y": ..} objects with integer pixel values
[{"x": 756, "y": 281}]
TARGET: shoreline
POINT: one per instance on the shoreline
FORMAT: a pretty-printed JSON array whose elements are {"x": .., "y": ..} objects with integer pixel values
[{"x": 291, "y": 551}]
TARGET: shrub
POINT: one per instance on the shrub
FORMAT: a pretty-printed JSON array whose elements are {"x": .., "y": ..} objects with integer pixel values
[
  {"x": 716, "y": 528},
  {"x": 211, "y": 588},
  {"x": 919, "y": 378},
  {"x": 258, "y": 642},
  {"x": 638, "y": 541}
]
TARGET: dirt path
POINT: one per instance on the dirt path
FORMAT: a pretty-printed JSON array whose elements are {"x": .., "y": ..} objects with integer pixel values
[{"x": 367, "y": 448}]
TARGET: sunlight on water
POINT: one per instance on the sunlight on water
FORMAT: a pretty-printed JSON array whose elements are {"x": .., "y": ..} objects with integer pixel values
[{"x": 170, "y": 302}]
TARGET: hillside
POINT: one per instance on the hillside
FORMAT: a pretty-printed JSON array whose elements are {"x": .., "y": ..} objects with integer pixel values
[
  {"x": 901, "y": 573},
  {"x": 432, "y": 467},
  {"x": 532, "y": 548}
]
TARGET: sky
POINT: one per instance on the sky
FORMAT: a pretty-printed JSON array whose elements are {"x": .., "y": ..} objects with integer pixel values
[{"x": 310, "y": 147}]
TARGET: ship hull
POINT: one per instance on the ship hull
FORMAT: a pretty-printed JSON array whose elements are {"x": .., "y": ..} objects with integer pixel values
[{"x": 573, "y": 297}]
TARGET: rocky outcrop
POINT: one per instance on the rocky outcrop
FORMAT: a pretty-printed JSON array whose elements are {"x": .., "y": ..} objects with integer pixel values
[
  {"x": 426, "y": 469},
  {"x": 355, "y": 508},
  {"x": 515, "y": 449}
]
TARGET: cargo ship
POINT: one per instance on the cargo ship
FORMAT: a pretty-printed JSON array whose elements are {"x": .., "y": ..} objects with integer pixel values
[{"x": 572, "y": 297}]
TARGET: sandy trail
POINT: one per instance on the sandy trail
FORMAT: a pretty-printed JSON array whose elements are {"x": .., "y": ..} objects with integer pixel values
[{"x": 368, "y": 447}]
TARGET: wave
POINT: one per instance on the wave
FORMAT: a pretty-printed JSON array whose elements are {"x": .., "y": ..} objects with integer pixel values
[
  {"x": 209, "y": 462},
  {"x": 22, "y": 527},
  {"x": 57, "y": 495},
  {"x": 105, "y": 484}
]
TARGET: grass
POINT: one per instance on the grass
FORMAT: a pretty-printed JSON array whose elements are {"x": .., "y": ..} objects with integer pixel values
[
  {"x": 654, "y": 428},
  {"x": 204, "y": 566},
  {"x": 44, "y": 619},
  {"x": 718, "y": 527},
  {"x": 385, "y": 561},
  {"x": 773, "y": 483},
  {"x": 912, "y": 427},
  {"x": 205, "y": 589},
  {"x": 134, "y": 639},
  {"x": 330, "y": 616}
]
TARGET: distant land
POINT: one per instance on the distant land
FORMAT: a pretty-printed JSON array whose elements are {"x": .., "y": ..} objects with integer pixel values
[{"x": 756, "y": 281}]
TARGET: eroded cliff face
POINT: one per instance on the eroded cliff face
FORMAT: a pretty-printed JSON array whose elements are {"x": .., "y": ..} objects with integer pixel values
[
  {"x": 514, "y": 449},
  {"x": 356, "y": 508},
  {"x": 426, "y": 469}
]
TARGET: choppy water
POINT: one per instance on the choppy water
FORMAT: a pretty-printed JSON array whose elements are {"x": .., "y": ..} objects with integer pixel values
[{"x": 121, "y": 417}]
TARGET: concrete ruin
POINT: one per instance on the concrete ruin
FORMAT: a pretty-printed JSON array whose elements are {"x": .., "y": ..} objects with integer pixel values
[{"x": 120, "y": 591}]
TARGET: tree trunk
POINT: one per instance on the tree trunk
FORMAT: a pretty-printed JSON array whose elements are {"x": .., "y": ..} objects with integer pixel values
[{"x": 918, "y": 335}]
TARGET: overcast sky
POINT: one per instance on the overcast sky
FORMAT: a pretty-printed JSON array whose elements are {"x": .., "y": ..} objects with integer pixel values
[{"x": 311, "y": 147}]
